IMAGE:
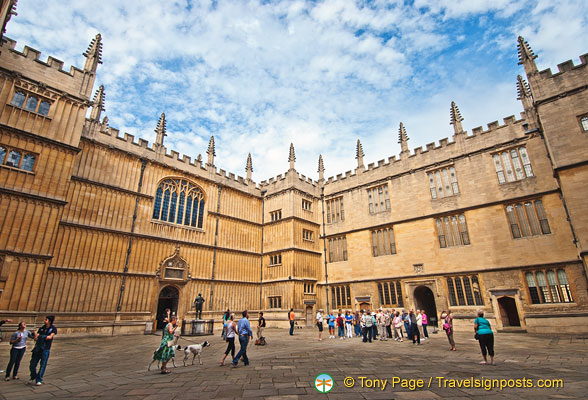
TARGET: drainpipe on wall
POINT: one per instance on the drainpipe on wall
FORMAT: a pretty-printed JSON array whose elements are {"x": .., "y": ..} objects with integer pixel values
[
  {"x": 263, "y": 192},
  {"x": 129, "y": 247},
  {"x": 220, "y": 188},
  {"x": 325, "y": 246}
]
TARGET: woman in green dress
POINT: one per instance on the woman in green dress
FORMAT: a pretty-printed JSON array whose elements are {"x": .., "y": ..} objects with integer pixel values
[{"x": 166, "y": 349}]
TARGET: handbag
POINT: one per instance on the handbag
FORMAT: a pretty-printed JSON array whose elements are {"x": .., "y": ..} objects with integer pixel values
[{"x": 476, "y": 336}]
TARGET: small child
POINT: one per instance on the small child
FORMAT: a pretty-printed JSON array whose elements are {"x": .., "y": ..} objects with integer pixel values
[{"x": 18, "y": 340}]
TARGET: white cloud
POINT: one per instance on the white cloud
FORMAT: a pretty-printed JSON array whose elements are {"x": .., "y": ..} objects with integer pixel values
[{"x": 259, "y": 75}]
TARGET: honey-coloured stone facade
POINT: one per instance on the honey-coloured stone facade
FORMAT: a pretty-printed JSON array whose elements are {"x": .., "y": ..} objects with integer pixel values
[{"x": 78, "y": 236}]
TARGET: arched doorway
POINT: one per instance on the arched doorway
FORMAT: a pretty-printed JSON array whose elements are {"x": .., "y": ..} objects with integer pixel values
[
  {"x": 309, "y": 316},
  {"x": 508, "y": 311},
  {"x": 365, "y": 306},
  {"x": 168, "y": 298},
  {"x": 425, "y": 300}
]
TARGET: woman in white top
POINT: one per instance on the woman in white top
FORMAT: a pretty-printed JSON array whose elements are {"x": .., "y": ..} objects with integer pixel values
[
  {"x": 230, "y": 329},
  {"x": 319, "y": 323},
  {"x": 419, "y": 318}
]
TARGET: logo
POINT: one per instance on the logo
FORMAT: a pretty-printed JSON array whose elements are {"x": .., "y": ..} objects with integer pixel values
[{"x": 324, "y": 383}]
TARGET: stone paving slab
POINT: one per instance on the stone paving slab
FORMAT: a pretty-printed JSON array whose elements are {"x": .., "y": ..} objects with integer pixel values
[{"x": 116, "y": 367}]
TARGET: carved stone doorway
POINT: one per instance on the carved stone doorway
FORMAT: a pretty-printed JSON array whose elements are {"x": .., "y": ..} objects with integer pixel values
[
  {"x": 168, "y": 298},
  {"x": 425, "y": 300},
  {"x": 309, "y": 317},
  {"x": 508, "y": 311}
]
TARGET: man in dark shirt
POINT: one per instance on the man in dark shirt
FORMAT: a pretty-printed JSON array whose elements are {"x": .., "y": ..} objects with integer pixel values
[
  {"x": 44, "y": 340},
  {"x": 260, "y": 325}
]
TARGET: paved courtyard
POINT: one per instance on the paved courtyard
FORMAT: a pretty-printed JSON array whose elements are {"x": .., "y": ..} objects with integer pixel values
[{"x": 116, "y": 367}]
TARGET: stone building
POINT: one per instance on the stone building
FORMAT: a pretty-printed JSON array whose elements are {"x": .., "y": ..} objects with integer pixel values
[{"x": 105, "y": 230}]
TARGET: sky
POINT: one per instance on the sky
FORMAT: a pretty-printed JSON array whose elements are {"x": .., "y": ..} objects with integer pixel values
[{"x": 259, "y": 75}]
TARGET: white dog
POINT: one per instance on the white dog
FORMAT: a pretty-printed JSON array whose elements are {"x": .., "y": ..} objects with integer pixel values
[{"x": 195, "y": 349}]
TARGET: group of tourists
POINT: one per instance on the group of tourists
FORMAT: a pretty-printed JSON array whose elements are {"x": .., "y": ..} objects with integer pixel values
[
  {"x": 43, "y": 340},
  {"x": 371, "y": 325},
  {"x": 384, "y": 324}
]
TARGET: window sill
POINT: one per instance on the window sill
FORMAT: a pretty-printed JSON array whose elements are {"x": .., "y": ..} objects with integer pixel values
[
  {"x": 454, "y": 247},
  {"x": 17, "y": 169},
  {"x": 518, "y": 181},
  {"x": 384, "y": 255},
  {"x": 274, "y": 265},
  {"x": 172, "y": 225},
  {"x": 545, "y": 305},
  {"x": 533, "y": 236},
  {"x": 308, "y": 240},
  {"x": 380, "y": 212},
  {"x": 440, "y": 199}
]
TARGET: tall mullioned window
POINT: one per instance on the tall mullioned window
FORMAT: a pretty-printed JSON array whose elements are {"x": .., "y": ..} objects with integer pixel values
[
  {"x": 337, "y": 248},
  {"x": 452, "y": 231},
  {"x": 443, "y": 182},
  {"x": 464, "y": 291},
  {"x": 275, "y": 301},
  {"x": 378, "y": 199},
  {"x": 512, "y": 165},
  {"x": 549, "y": 286},
  {"x": 383, "y": 242},
  {"x": 335, "y": 212},
  {"x": 179, "y": 202},
  {"x": 527, "y": 219},
  {"x": 390, "y": 294},
  {"x": 341, "y": 296}
]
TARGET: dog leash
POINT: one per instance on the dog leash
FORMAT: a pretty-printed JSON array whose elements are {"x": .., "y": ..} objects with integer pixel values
[{"x": 190, "y": 341}]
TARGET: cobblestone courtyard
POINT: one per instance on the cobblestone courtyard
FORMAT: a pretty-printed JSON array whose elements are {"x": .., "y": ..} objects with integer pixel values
[{"x": 116, "y": 367}]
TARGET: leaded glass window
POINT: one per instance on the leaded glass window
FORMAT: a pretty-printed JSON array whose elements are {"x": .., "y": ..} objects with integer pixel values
[{"x": 179, "y": 202}]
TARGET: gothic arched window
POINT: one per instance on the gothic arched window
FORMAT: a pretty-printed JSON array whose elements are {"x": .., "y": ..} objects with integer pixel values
[{"x": 179, "y": 202}]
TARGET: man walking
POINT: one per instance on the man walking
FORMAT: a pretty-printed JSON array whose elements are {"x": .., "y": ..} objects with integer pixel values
[
  {"x": 291, "y": 317},
  {"x": 44, "y": 338},
  {"x": 245, "y": 333}
]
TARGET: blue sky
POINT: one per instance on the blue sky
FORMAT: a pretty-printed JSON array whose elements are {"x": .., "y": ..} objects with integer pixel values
[{"x": 321, "y": 74}]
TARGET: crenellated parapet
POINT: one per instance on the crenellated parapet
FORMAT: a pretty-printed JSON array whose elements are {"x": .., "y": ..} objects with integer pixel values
[
  {"x": 480, "y": 139},
  {"x": 569, "y": 78},
  {"x": 141, "y": 148},
  {"x": 28, "y": 63}
]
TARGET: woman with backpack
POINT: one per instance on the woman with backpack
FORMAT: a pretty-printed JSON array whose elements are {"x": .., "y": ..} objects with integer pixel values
[
  {"x": 448, "y": 327},
  {"x": 341, "y": 326}
]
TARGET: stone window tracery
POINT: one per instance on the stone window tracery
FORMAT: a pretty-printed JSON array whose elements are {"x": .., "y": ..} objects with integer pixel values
[
  {"x": 512, "y": 165},
  {"x": 464, "y": 291},
  {"x": 16, "y": 158},
  {"x": 179, "y": 202},
  {"x": 30, "y": 103},
  {"x": 549, "y": 286}
]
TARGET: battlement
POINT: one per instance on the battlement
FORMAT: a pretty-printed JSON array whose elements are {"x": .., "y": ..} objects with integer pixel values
[
  {"x": 289, "y": 179},
  {"x": 433, "y": 153},
  {"x": 28, "y": 63},
  {"x": 569, "y": 77},
  {"x": 564, "y": 67},
  {"x": 142, "y": 148}
]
